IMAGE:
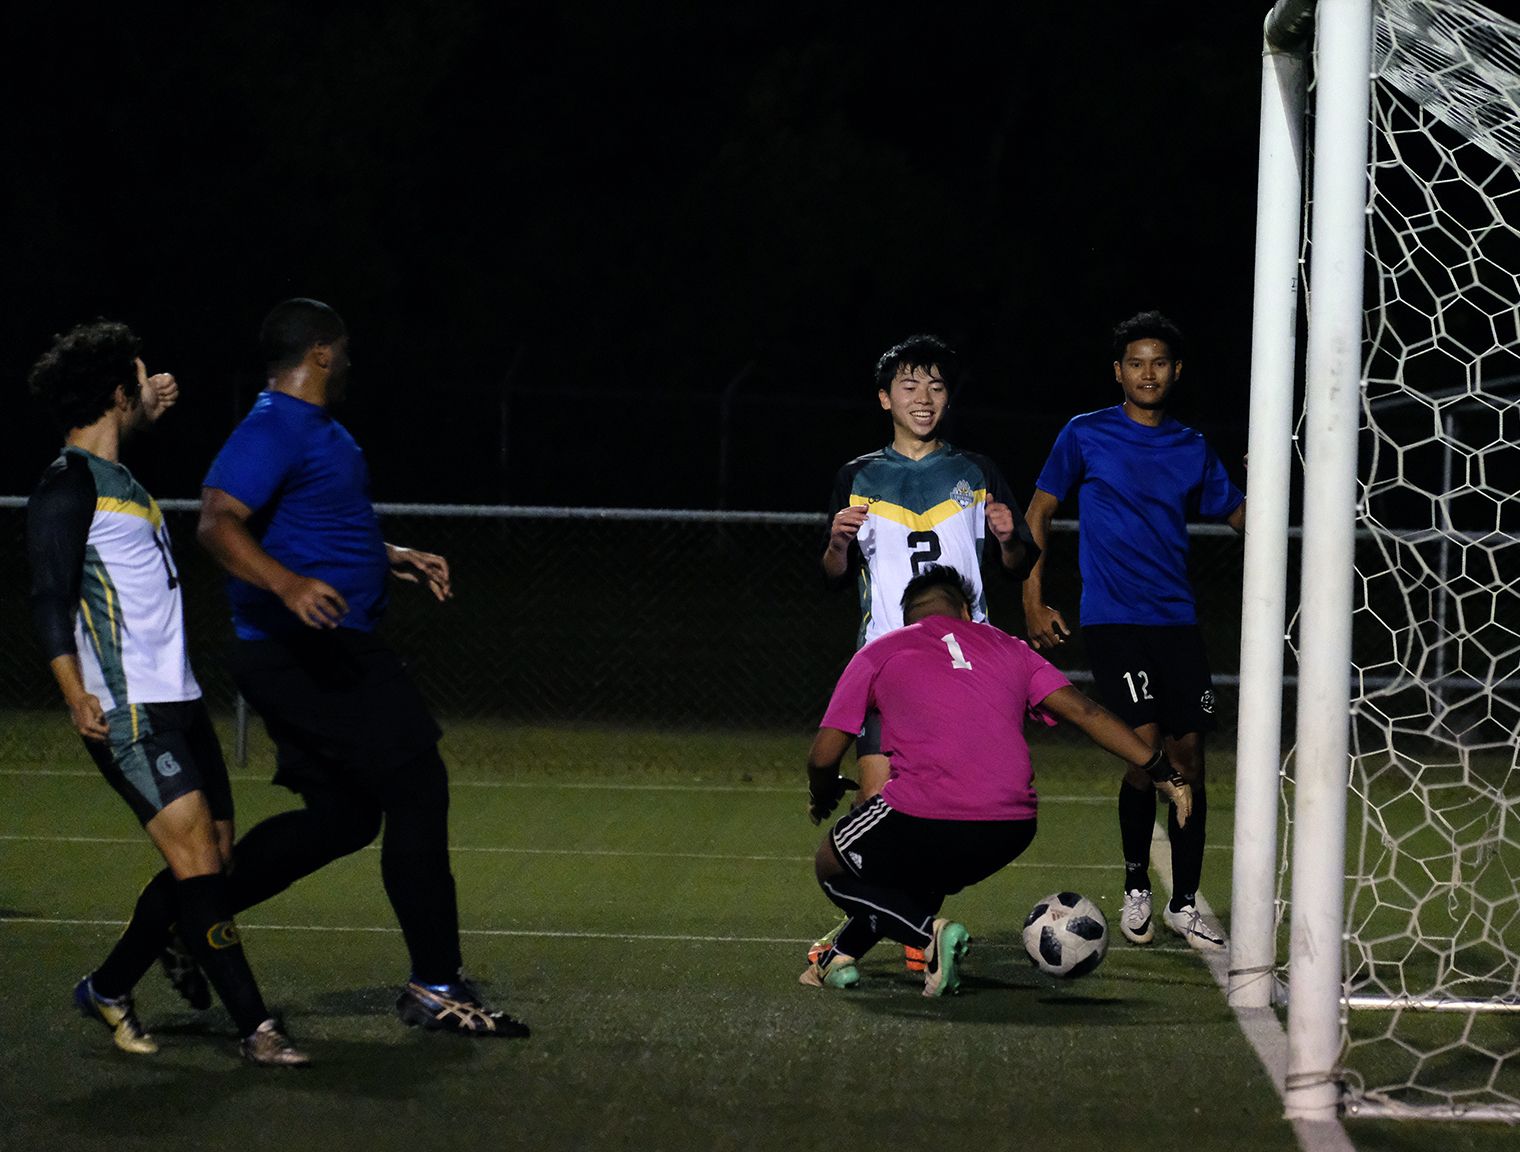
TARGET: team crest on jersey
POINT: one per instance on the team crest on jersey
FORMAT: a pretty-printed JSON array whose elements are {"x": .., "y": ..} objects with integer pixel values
[
  {"x": 1206, "y": 702},
  {"x": 167, "y": 765},
  {"x": 962, "y": 494}
]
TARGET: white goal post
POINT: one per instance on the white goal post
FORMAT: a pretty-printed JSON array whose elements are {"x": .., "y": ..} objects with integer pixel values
[{"x": 1407, "y": 628}]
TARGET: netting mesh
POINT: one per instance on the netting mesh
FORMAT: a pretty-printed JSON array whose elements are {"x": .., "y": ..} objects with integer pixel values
[{"x": 1433, "y": 902}]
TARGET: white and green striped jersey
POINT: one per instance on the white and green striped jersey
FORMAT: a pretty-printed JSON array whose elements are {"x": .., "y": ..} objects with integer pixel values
[{"x": 104, "y": 584}]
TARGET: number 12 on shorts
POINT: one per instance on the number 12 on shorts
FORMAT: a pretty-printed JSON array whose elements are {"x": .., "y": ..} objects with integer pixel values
[{"x": 1144, "y": 690}]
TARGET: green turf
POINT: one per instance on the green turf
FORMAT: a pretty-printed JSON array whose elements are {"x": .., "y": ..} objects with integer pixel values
[{"x": 649, "y": 924}]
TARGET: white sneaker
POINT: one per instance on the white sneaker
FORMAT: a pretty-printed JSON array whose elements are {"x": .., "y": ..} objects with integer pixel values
[
  {"x": 1189, "y": 923},
  {"x": 1135, "y": 920}
]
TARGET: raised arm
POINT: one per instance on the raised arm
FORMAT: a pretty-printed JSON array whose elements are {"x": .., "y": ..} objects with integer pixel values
[
  {"x": 223, "y": 531},
  {"x": 1112, "y": 734},
  {"x": 1045, "y": 626}
]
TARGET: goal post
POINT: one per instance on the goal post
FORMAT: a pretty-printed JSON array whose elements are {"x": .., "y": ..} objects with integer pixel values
[{"x": 1403, "y": 942}]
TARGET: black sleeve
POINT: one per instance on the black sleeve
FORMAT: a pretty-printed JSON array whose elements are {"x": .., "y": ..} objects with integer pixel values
[
  {"x": 58, "y": 520},
  {"x": 844, "y": 481},
  {"x": 997, "y": 489}
]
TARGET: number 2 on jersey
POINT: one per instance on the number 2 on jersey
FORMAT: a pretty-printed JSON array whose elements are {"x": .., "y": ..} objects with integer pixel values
[
  {"x": 957, "y": 657},
  {"x": 926, "y": 549}
]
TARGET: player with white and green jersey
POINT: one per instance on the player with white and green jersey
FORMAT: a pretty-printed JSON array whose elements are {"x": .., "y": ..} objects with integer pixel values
[{"x": 109, "y": 615}]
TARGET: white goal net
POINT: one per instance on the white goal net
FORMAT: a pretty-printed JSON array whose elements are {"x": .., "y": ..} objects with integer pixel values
[{"x": 1431, "y": 1005}]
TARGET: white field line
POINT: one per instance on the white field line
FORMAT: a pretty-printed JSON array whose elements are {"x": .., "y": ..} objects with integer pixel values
[
  {"x": 17, "y": 838},
  {"x": 540, "y": 933},
  {"x": 571, "y": 786},
  {"x": 1259, "y": 1025}
]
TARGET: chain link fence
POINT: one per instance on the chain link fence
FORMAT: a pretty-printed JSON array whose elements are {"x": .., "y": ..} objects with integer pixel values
[{"x": 592, "y": 638}]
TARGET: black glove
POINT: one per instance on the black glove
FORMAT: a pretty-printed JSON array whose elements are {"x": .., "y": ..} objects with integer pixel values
[{"x": 825, "y": 793}]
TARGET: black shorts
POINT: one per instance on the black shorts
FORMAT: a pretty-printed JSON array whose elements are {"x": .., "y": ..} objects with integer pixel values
[
  {"x": 880, "y": 845},
  {"x": 160, "y": 752},
  {"x": 339, "y": 705},
  {"x": 1153, "y": 675}
]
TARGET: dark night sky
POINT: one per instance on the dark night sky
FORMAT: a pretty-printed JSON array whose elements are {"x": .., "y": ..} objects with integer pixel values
[{"x": 559, "y": 231}]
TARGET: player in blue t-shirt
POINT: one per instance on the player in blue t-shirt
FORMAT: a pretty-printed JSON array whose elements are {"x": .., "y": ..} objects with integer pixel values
[
  {"x": 286, "y": 510},
  {"x": 1140, "y": 476}
]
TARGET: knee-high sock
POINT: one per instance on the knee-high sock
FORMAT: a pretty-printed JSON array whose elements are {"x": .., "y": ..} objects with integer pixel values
[
  {"x": 874, "y": 912},
  {"x": 208, "y": 930},
  {"x": 1187, "y": 848},
  {"x": 414, "y": 865},
  {"x": 1137, "y": 823},
  {"x": 134, "y": 952}
]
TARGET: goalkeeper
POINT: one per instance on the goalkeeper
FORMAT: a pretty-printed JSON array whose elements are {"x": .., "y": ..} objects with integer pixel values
[
  {"x": 960, "y": 803},
  {"x": 1140, "y": 475}
]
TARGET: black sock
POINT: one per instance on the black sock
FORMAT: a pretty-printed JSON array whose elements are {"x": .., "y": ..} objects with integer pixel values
[
  {"x": 141, "y": 941},
  {"x": 855, "y": 939},
  {"x": 1137, "y": 823},
  {"x": 1187, "y": 849},
  {"x": 207, "y": 927}
]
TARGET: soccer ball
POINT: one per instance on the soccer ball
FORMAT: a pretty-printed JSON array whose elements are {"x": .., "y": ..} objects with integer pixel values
[{"x": 1066, "y": 935}]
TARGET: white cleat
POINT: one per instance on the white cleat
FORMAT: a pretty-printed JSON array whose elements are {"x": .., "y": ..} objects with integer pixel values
[
  {"x": 1189, "y": 923},
  {"x": 1135, "y": 921}
]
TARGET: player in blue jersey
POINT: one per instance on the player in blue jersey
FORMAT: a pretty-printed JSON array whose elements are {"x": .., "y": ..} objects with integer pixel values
[
  {"x": 286, "y": 510},
  {"x": 1139, "y": 476},
  {"x": 107, "y": 605},
  {"x": 915, "y": 503}
]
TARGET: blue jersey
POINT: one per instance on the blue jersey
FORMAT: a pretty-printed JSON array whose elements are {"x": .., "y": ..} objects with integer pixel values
[
  {"x": 305, "y": 479},
  {"x": 1138, "y": 486}
]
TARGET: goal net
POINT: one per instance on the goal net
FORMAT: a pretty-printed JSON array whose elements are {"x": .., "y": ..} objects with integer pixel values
[{"x": 1430, "y": 1011}]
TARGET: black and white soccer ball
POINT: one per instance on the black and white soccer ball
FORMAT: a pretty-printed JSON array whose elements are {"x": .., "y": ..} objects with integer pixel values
[{"x": 1066, "y": 935}]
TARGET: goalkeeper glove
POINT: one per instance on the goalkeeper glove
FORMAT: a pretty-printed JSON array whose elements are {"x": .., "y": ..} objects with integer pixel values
[
  {"x": 825, "y": 792},
  {"x": 1169, "y": 783}
]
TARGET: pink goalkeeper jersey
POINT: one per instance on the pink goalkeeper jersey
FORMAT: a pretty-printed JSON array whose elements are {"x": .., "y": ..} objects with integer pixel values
[{"x": 952, "y": 696}]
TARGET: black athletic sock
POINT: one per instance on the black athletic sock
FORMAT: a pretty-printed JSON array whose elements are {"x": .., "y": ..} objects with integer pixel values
[
  {"x": 1187, "y": 849},
  {"x": 890, "y": 912},
  {"x": 1137, "y": 823},
  {"x": 207, "y": 927},
  {"x": 141, "y": 941}
]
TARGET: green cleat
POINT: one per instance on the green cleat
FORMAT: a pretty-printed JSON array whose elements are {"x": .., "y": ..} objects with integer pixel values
[
  {"x": 117, "y": 1015},
  {"x": 950, "y": 943},
  {"x": 841, "y": 973}
]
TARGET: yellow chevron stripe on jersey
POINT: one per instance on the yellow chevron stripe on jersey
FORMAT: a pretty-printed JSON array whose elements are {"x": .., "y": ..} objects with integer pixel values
[
  {"x": 148, "y": 512},
  {"x": 918, "y": 521}
]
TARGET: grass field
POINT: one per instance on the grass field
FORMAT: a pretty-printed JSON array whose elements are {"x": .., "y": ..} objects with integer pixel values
[{"x": 650, "y": 924}]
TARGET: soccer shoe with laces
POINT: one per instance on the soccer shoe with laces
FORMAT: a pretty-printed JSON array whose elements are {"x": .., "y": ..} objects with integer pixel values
[
  {"x": 184, "y": 974},
  {"x": 948, "y": 945},
  {"x": 821, "y": 945},
  {"x": 117, "y": 1015},
  {"x": 1135, "y": 919},
  {"x": 455, "y": 1007},
  {"x": 840, "y": 973},
  {"x": 269, "y": 1046},
  {"x": 1189, "y": 923}
]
